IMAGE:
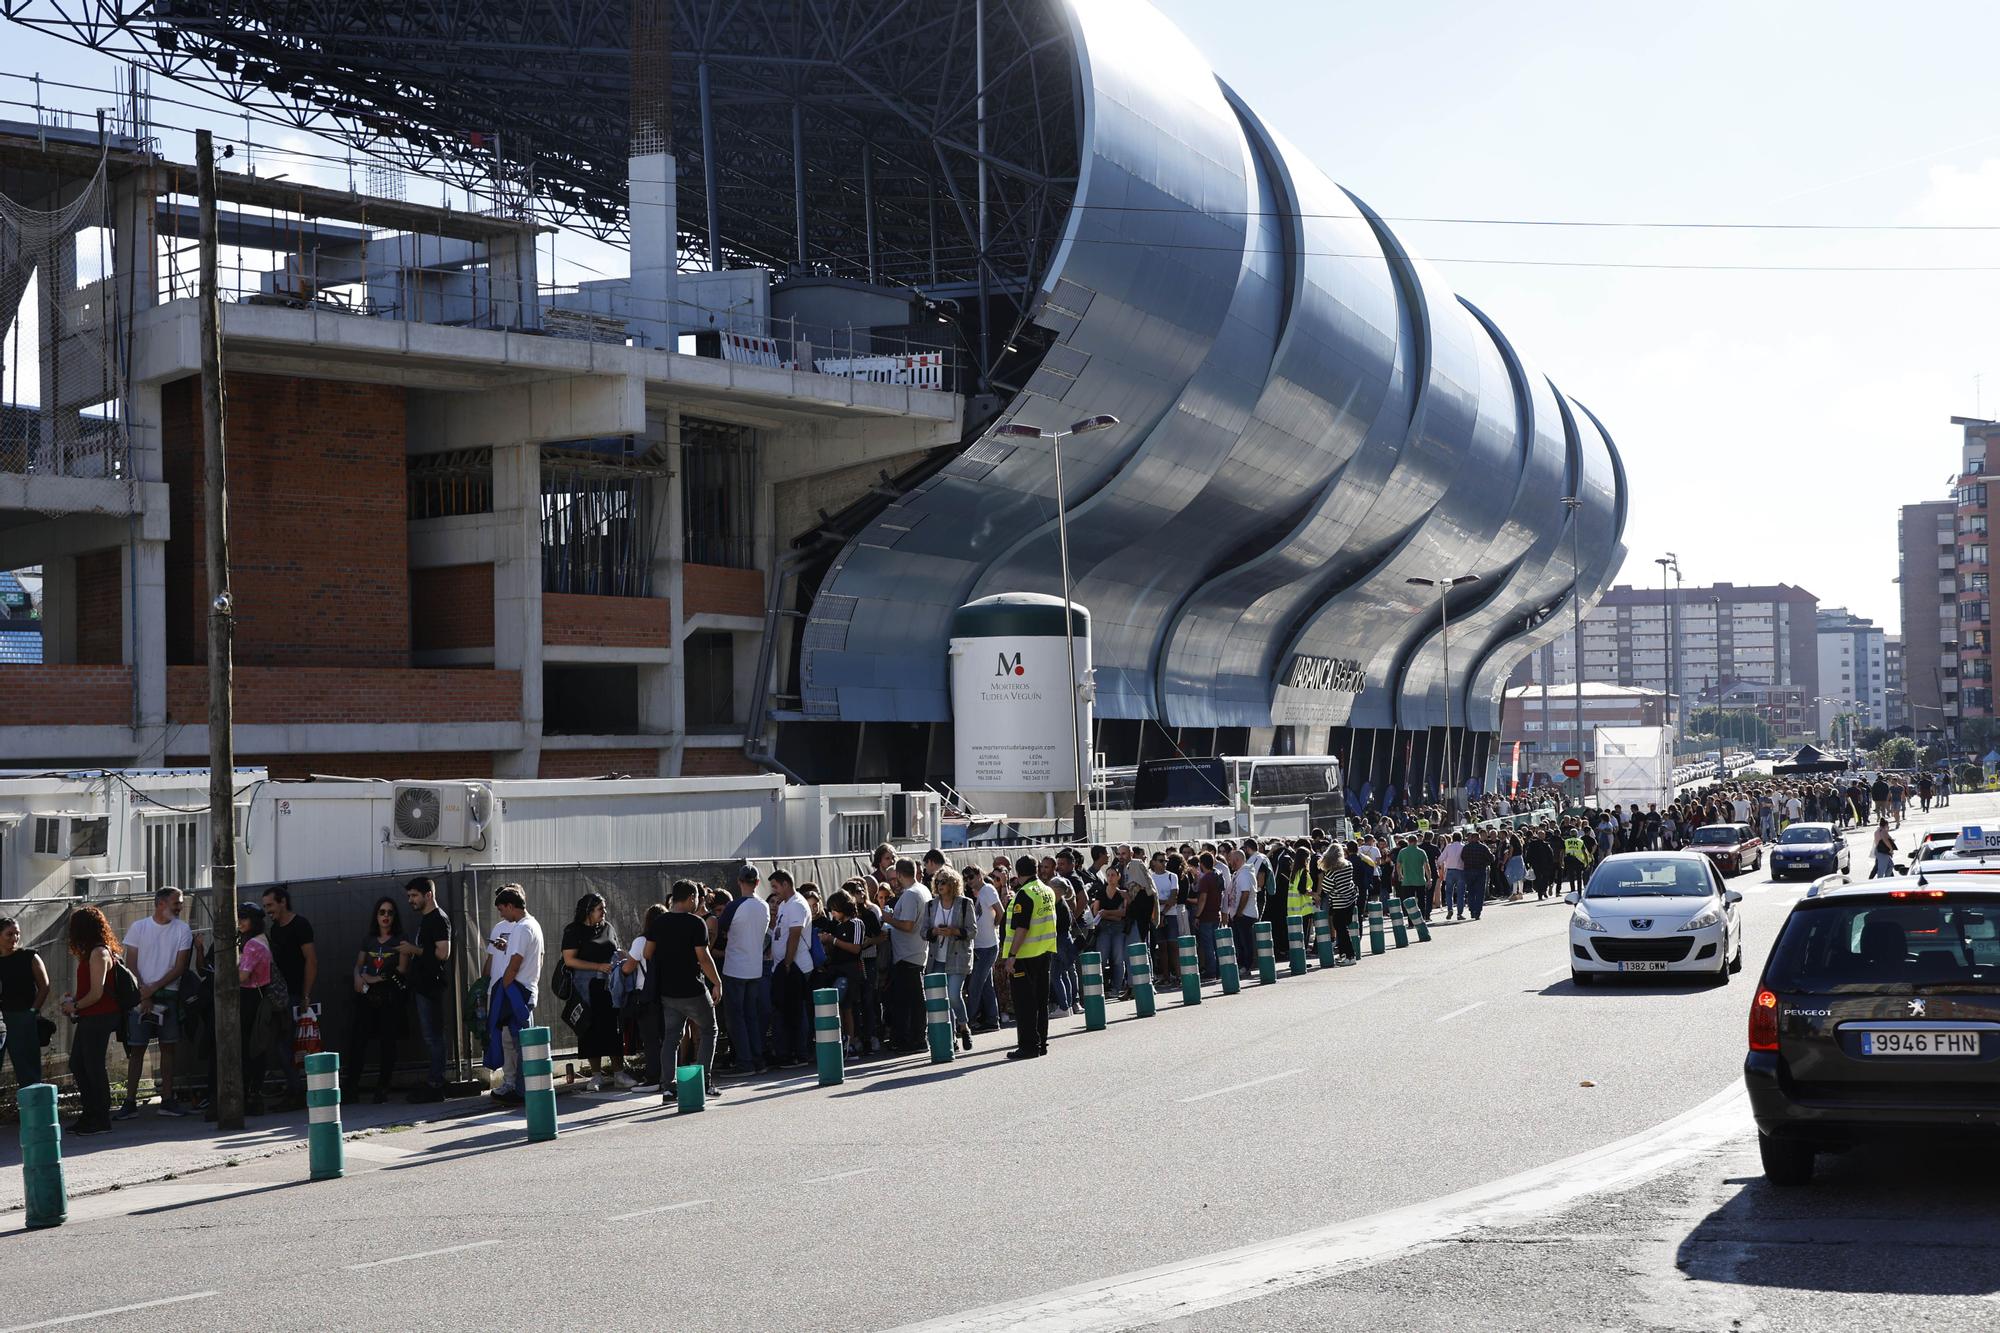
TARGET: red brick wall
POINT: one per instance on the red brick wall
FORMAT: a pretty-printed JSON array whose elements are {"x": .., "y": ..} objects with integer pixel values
[
  {"x": 440, "y": 766},
  {"x": 451, "y": 607},
  {"x": 714, "y": 590},
  {"x": 317, "y": 538},
  {"x": 717, "y": 763},
  {"x": 596, "y": 763},
  {"x": 346, "y": 695},
  {"x": 100, "y": 608},
  {"x": 604, "y": 622},
  {"x": 75, "y": 696}
]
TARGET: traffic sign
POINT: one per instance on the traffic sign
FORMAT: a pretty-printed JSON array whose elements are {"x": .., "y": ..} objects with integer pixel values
[{"x": 1572, "y": 767}]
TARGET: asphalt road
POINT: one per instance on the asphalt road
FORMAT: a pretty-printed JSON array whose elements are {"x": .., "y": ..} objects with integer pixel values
[{"x": 916, "y": 1192}]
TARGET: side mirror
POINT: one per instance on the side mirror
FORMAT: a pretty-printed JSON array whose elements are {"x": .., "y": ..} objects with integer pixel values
[
  {"x": 1571, "y": 898},
  {"x": 1732, "y": 896},
  {"x": 1901, "y": 869}
]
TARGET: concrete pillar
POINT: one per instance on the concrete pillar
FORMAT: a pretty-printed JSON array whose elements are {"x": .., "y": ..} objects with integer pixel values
[
  {"x": 59, "y": 610},
  {"x": 669, "y": 579},
  {"x": 654, "y": 218},
  {"x": 517, "y": 594},
  {"x": 135, "y": 253},
  {"x": 144, "y": 637},
  {"x": 510, "y": 268}
]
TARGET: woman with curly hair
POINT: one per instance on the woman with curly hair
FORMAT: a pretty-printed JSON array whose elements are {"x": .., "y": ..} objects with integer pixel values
[{"x": 94, "y": 1009}]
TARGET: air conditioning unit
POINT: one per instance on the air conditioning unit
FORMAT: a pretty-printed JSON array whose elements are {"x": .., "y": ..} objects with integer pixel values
[
  {"x": 441, "y": 814},
  {"x": 65, "y": 837}
]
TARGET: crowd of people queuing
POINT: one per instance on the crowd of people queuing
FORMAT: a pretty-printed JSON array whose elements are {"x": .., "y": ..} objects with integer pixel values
[{"x": 725, "y": 979}]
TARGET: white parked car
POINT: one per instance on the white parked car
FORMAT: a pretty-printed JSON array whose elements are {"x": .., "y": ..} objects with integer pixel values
[{"x": 1665, "y": 912}]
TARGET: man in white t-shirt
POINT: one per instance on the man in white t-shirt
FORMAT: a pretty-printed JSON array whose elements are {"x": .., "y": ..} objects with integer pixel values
[
  {"x": 746, "y": 1001},
  {"x": 157, "y": 949},
  {"x": 1239, "y": 906},
  {"x": 982, "y": 1003},
  {"x": 513, "y": 960},
  {"x": 791, "y": 973}
]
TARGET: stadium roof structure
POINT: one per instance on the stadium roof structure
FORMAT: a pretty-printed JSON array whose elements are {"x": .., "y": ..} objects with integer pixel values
[{"x": 835, "y": 121}]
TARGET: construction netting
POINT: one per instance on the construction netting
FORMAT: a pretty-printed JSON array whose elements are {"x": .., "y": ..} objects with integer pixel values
[{"x": 61, "y": 346}]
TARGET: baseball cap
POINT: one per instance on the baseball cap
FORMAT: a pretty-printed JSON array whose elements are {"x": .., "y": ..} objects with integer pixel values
[{"x": 748, "y": 871}]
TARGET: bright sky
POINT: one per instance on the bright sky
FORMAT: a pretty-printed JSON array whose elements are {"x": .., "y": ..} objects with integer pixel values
[{"x": 1771, "y": 422}]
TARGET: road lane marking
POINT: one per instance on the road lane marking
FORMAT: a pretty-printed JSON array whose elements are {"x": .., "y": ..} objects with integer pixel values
[
  {"x": 1190, "y": 1286},
  {"x": 422, "y": 1254},
  {"x": 838, "y": 1175},
  {"x": 663, "y": 1208},
  {"x": 116, "y": 1309},
  {"x": 1446, "y": 1018},
  {"x": 1238, "y": 1087}
]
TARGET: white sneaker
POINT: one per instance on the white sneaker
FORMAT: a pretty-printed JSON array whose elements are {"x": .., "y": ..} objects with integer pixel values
[
  {"x": 595, "y": 1083},
  {"x": 623, "y": 1079}
]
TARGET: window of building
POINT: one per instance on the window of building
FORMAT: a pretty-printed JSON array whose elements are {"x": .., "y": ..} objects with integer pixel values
[
  {"x": 450, "y": 484},
  {"x": 718, "y": 493},
  {"x": 590, "y": 700},
  {"x": 599, "y": 532},
  {"x": 711, "y": 680},
  {"x": 176, "y": 849}
]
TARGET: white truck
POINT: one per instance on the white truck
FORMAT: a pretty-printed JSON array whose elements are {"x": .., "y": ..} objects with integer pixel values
[{"x": 1635, "y": 764}]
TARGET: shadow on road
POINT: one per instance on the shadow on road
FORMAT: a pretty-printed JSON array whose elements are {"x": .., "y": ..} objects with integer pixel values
[
  {"x": 1669, "y": 986},
  {"x": 1903, "y": 1220}
]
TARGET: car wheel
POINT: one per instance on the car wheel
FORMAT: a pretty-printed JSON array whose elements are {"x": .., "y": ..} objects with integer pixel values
[
  {"x": 1736, "y": 961},
  {"x": 1787, "y": 1163},
  {"x": 1580, "y": 978}
]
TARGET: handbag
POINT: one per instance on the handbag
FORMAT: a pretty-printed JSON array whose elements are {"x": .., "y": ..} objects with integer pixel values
[
  {"x": 561, "y": 984},
  {"x": 576, "y": 1013}
]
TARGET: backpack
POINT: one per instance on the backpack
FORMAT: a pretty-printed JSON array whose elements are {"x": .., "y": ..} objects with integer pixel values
[
  {"x": 123, "y": 985},
  {"x": 818, "y": 948}
]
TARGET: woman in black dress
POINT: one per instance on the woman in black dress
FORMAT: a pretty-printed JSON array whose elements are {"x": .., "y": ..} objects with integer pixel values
[
  {"x": 589, "y": 952},
  {"x": 378, "y": 992}
]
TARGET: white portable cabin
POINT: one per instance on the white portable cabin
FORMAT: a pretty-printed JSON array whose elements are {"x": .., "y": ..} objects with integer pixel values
[{"x": 103, "y": 833}]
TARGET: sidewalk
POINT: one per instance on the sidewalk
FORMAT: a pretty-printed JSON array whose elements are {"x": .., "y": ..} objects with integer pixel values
[{"x": 153, "y": 1147}]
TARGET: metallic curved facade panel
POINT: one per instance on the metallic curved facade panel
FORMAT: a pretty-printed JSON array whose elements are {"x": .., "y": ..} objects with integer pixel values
[{"x": 1309, "y": 418}]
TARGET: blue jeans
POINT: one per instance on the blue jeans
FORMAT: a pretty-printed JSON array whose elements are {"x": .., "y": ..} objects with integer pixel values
[
  {"x": 1204, "y": 937},
  {"x": 981, "y": 1000},
  {"x": 748, "y": 1005},
  {"x": 1454, "y": 891},
  {"x": 1061, "y": 993},
  {"x": 430, "y": 1022},
  {"x": 24, "y": 1044},
  {"x": 1111, "y": 948}
]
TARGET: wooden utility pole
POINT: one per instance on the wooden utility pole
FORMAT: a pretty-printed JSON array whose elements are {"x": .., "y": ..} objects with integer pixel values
[{"x": 227, "y": 1076}]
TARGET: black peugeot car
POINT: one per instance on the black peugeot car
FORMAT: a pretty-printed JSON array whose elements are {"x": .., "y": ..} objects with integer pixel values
[{"x": 1878, "y": 1016}]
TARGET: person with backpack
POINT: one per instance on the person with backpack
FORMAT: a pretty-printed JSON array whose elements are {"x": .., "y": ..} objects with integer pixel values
[
  {"x": 590, "y": 956},
  {"x": 94, "y": 1007}
]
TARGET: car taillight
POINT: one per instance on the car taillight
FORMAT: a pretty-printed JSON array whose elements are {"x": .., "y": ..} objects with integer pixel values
[{"x": 1764, "y": 1022}]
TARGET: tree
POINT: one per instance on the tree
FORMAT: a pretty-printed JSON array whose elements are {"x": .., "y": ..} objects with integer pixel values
[
  {"x": 1737, "y": 726},
  {"x": 1871, "y": 738},
  {"x": 1896, "y": 752}
]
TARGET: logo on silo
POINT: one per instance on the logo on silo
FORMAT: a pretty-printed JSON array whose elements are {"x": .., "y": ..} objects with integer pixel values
[{"x": 1010, "y": 667}]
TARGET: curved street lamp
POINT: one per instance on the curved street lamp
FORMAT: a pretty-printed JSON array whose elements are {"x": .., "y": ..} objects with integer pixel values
[
  {"x": 1015, "y": 430},
  {"x": 1444, "y": 586}
]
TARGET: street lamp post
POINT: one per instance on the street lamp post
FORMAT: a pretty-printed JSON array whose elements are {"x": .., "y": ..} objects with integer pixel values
[
  {"x": 1079, "y": 743},
  {"x": 1444, "y": 586},
  {"x": 1572, "y": 504}
]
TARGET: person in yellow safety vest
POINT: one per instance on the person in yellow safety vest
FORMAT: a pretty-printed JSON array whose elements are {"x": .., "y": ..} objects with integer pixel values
[
  {"x": 1576, "y": 858},
  {"x": 1298, "y": 896},
  {"x": 1027, "y": 953}
]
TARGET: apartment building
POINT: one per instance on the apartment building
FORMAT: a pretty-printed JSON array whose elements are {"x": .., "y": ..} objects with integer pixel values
[
  {"x": 1973, "y": 510},
  {"x": 1927, "y": 588},
  {"x": 1696, "y": 640},
  {"x": 1853, "y": 672}
]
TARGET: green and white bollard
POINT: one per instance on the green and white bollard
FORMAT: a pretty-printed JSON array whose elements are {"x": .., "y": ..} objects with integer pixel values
[
  {"x": 1092, "y": 967},
  {"x": 1142, "y": 980},
  {"x": 46, "y": 1188},
  {"x": 826, "y": 1038},
  {"x": 1267, "y": 962},
  {"x": 1417, "y": 920},
  {"x": 1225, "y": 960},
  {"x": 1295, "y": 940},
  {"x": 1190, "y": 970},
  {"x": 937, "y": 1013},
  {"x": 1324, "y": 924},
  {"x": 1396, "y": 923},
  {"x": 538, "y": 1084},
  {"x": 324, "y": 1145},
  {"x": 690, "y": 1088},
  {"x": 1375, "y": 942}
]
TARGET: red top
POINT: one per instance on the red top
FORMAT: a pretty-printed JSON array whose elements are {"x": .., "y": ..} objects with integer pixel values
[{"x": 107, "y": 1003}]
